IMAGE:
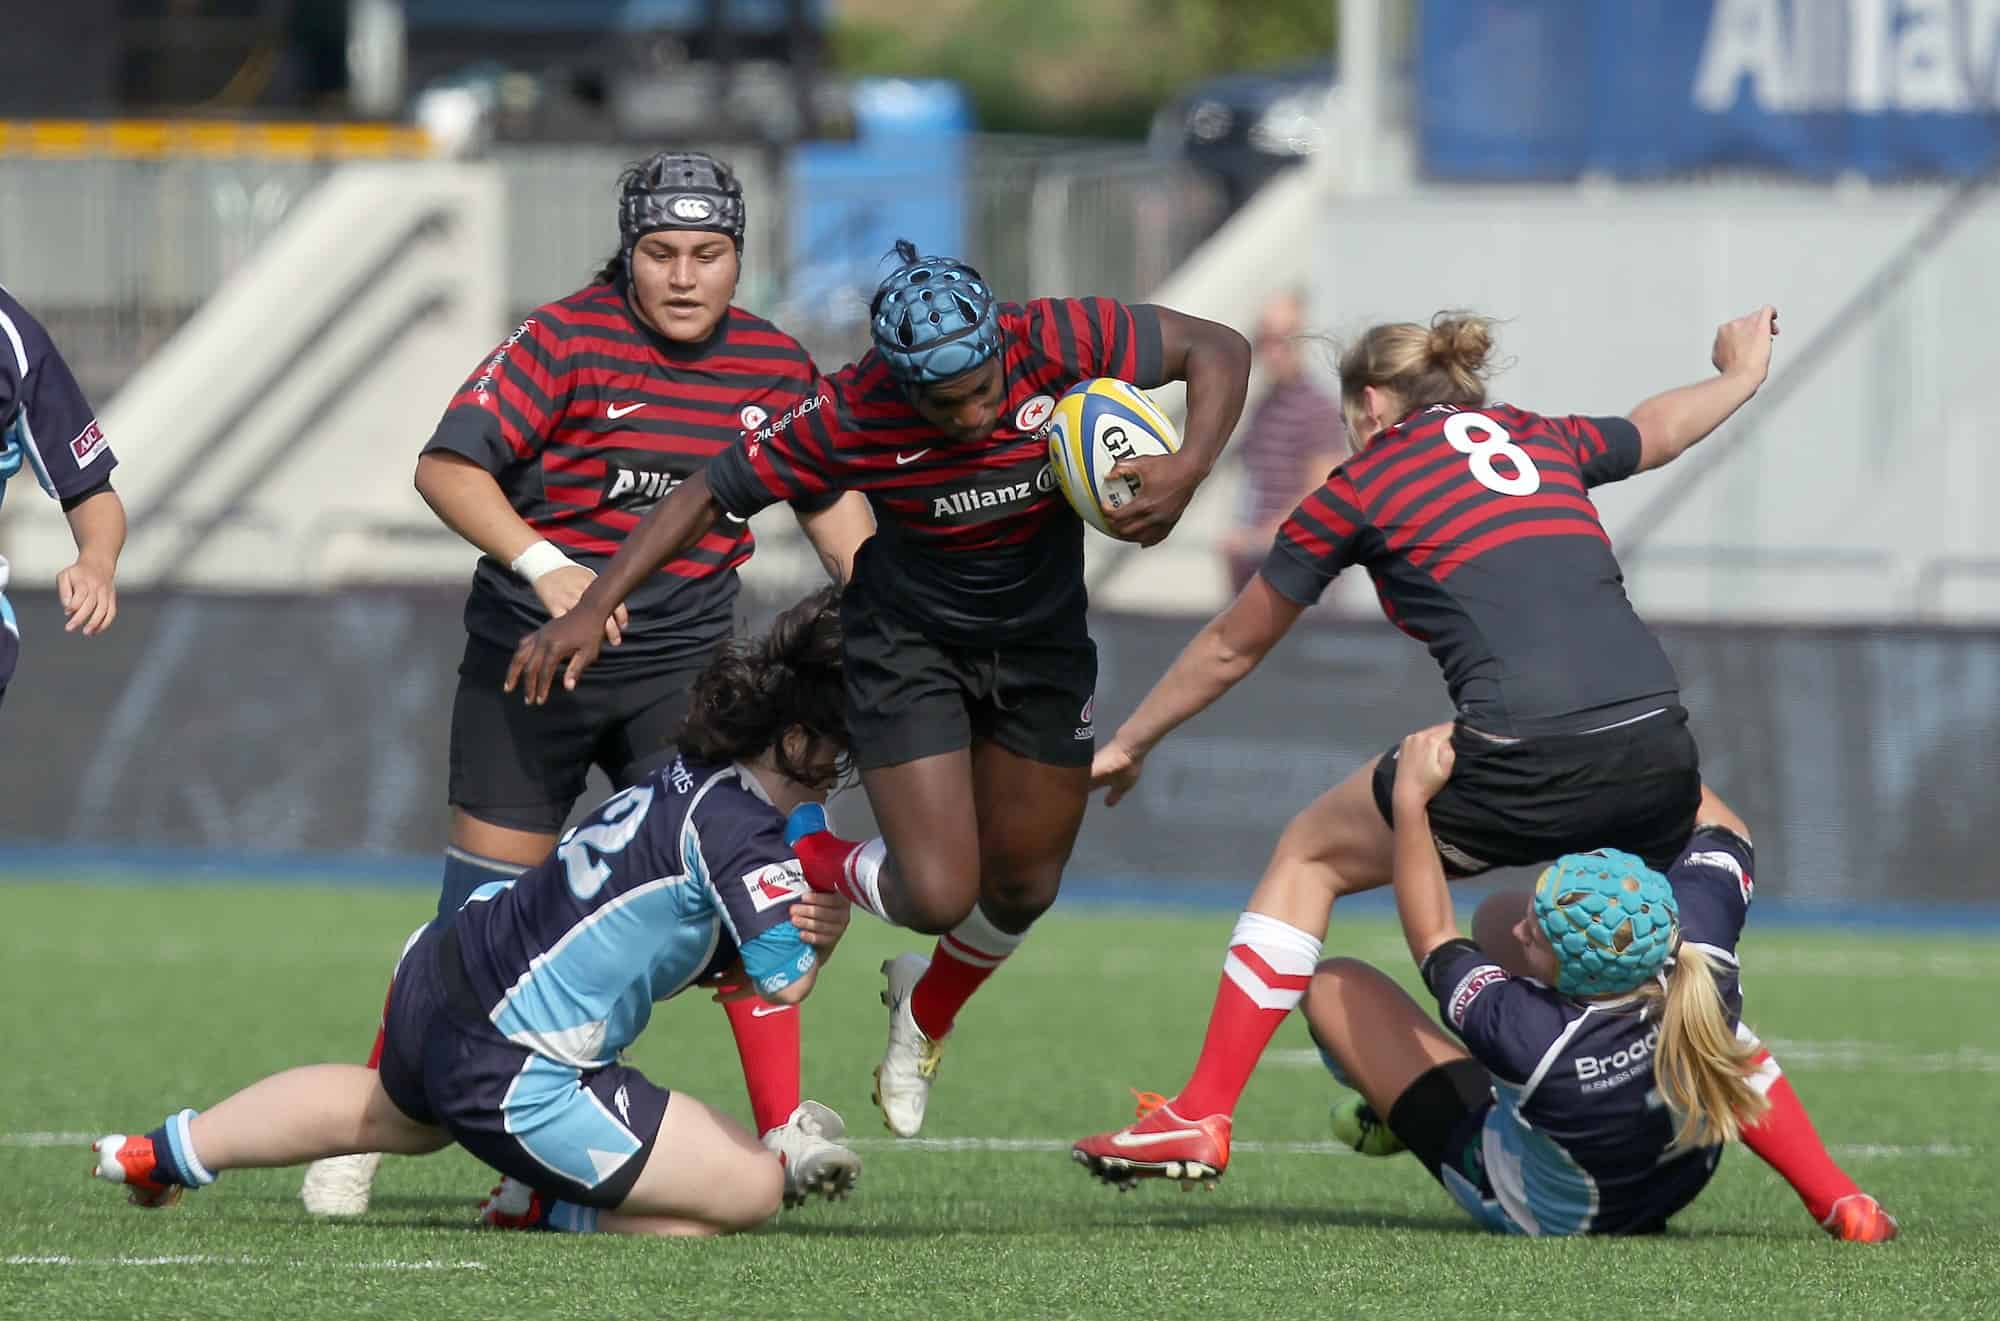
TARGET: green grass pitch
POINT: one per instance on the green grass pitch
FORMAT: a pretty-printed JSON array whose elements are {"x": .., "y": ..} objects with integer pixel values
[{"x": 124, "y": 1001}]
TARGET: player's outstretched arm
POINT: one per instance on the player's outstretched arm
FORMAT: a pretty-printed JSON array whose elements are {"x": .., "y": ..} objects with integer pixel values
[
  {"x": 1422, "y": 900},
  {"x": 1672, "y": 423},
  {"x": 571, "y": 643},
  {"x": 1228, "y": 648},
  {"x": 1215, "y": 362}
]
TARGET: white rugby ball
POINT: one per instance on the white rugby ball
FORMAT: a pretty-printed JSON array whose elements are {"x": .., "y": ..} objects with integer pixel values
[{"x": 1096, "y": 425}]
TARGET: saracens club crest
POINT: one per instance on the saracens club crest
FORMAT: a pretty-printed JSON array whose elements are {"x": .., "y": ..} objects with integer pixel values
[{"x": 1034, "y": 414}]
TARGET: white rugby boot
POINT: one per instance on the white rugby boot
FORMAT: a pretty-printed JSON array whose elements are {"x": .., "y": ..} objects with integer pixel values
[
  {"x": 338, "y": 1185},
  {"x": 910, "y": 1063},
  {"x": 808, "y": 1145}
]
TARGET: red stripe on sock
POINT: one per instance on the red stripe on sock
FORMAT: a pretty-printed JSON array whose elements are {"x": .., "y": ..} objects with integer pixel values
[
  {"x": 1238, "y": 1031},
  {"x": 960, "y": 950},
  {"x": 1271, "y": 977},
  {"x": 943, "y": 990}
]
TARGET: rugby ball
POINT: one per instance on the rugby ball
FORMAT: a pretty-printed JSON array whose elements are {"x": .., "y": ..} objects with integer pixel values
[{"x": 1096, "y": 425}]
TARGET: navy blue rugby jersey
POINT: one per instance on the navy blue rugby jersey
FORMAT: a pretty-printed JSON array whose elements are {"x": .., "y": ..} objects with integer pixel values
[
  {"x": 974, "y": 545},
  {"x": 664, "y": 882},
  {"x": 1580, "y": 1140},
  {"x": 43, "y": 412},
  {"x": 587, "y": 418},
  {"x": 1479, "y": 534}
]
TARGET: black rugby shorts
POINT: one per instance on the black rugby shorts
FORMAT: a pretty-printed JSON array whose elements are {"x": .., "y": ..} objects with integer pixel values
[
  {"x": 1515, "y": 804},
  {"x": 909, "y": 697},
  {"x": 523, "y": 767}
]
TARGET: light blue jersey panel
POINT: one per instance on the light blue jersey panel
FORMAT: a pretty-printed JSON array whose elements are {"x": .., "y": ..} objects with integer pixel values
[
  {"x": 591, "y": 995},
  {"x": 1538, "y": 1184}
]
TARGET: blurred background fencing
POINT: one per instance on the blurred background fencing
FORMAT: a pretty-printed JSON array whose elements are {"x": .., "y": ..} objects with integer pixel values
[{"x": 272, "y": 236}]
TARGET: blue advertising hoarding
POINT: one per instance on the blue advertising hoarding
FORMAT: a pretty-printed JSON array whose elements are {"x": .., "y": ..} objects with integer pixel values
[{"x": 1551, "y": 89}]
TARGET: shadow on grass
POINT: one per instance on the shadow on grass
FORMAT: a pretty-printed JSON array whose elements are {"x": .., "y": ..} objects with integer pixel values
[{"x": 1152, "y": 1220}]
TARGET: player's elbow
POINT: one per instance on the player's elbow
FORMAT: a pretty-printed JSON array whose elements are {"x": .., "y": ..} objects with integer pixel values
[
  {"x": 1223, "y": 349},
  {"x": 1233, "y": 657},
  {"x": 1660, "y": 441},
  {"x": 430, "y": 473}
]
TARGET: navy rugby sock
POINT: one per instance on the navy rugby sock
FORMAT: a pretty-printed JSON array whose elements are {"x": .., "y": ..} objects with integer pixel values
[{"x": 174, "y": 1158}]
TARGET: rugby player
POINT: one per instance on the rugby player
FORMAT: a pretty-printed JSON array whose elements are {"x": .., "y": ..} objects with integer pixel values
[
  {"x": 506, "y": 1021},
  {"x": 1601, "y": 1062},
  {"x": 46, "y": 424},
  {"x": 970, "y": 667},
  {"x": 1475, "y": 522},
  {"x": 595, "y": 407}
]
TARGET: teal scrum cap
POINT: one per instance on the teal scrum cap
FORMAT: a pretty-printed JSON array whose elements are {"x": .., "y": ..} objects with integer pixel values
[{"x": 1611, "y": 919}]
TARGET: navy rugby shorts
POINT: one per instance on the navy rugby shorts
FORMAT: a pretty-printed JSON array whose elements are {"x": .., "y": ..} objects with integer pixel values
[{"x": 580, "y": 1135}]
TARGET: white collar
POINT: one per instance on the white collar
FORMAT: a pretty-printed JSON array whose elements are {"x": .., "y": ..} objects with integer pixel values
[{"x": 749, "y": 779}]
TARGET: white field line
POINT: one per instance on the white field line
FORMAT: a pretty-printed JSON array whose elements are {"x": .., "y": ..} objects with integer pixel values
[
  {"x": 1942, "y": 1150},
  {"x": 1876, "y": 1057},
  {"x": 203, "y": 1259},
  {"x": 1047, "y": 1145},
  {"x": 1825, "y": 1056}
]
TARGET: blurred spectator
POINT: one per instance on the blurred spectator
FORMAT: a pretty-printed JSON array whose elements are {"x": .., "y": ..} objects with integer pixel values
[{"x": 1290, "y": 441}]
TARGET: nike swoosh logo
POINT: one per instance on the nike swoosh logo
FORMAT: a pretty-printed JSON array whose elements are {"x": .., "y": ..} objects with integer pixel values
[
  {"x": 616, "y": 411},
  {"x": 902, "y": 459},
  {"x": 1148, "y": 1139},
  {"x": 765, "y": 1011}
]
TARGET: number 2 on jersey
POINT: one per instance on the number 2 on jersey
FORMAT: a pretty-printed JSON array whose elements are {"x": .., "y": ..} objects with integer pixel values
[
  {"x": 1492, "y": 440},
  {"x": 618, "y": 822}
]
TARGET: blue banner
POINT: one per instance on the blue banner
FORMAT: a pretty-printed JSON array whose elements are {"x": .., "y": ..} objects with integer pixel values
[{"x": 1551, "y": 89}]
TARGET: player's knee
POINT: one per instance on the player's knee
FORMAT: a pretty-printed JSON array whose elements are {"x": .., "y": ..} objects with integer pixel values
[
  {"x": 760, "y": 1192},
  {"x": 937, "y": 894},
  {"x": 1330, "y": 978},
  {"x": 1292, "y": 867},
  {"x": 1016, "y": 895}
]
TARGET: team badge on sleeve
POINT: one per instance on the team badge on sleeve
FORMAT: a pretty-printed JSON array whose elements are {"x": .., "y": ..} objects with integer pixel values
[
  {"x": 88, "y": 445},
  {"x": 1485, "y": 975},
  {"x": 1725, "y": 861},
  {"x": 779, "y": 883}
]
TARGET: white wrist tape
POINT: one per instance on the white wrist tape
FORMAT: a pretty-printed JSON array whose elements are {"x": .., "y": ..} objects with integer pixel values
[{"x": 544, "y": 557}]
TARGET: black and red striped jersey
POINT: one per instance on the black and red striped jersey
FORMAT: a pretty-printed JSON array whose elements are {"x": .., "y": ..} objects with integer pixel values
[
  {"x": 1478, "y": 531},
  {"x": 974, "y": 544},
  {"x": 587, "y": 418}
]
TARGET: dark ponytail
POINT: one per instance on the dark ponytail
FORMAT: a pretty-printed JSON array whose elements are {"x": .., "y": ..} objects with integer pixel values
[{"x": 758, "y": 688}]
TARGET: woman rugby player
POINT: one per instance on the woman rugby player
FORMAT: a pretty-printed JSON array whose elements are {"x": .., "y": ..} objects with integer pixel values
[
  {"x": 1475, "y": 523},
  {"x": 506, "y": 1020},
  {"x": 970, "y": 668},
  {"x": 1607, "y": 1062},
  {"x": 589, "y": 412}
]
